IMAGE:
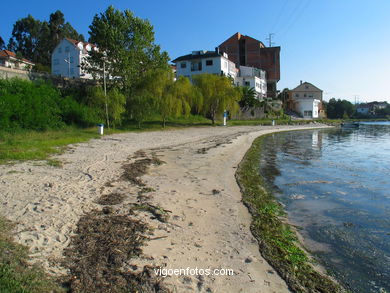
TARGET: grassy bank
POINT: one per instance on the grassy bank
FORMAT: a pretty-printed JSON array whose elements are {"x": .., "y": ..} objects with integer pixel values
[
  {"x": 278, "y": 242},
  {"x": 15, "y": 273},
  {"x": 23, "y": 145}
]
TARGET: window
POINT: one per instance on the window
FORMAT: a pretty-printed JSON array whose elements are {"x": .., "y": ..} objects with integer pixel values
[
  {"x": 209, "y": 62},
  {"x": 67, "y": 49},
  {"x": 304, "y": 95},
  {"x": 297, "y": 95},
  {"x": 196, "y": 66},
  {"x": 183, "y": 65},
  {"x": 308, "y": 113},
  {"x": 247, "y": 83},
  {"x": 56, "y": 61},
  {"x": 60, "y": 50}
]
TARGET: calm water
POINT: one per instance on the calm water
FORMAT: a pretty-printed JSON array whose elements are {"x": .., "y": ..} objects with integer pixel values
[{"x": 335, "y": 185}]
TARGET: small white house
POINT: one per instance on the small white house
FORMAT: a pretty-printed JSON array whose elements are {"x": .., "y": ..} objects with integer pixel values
[
  {"x": 306, "y": 100},
  {"x": 68, "y": 56},
  {"x": 254, "y": 78},
  {"x": 199, "y": 62},
  {"x": 10, "y": 60}
]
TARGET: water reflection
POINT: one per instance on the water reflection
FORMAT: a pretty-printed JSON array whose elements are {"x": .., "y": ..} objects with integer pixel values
[{"x": 335, "y": 185}]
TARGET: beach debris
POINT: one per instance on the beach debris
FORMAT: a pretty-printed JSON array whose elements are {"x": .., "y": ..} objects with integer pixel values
[
  {"x": 159, "y": 213},
  {"x": 248, "y": 259},
  {"x": 215, "y": 191},
  {"x": 102, "y": 245},
  {"x": 111, "y": 199},
  {"x": 133, "y": 171}
]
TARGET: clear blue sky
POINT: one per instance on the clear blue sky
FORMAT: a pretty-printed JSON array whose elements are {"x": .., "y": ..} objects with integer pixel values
[{"x": 341, "y": 46}]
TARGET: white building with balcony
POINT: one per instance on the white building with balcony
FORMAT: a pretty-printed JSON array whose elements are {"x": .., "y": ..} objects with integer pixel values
[
  {"x": 199, "y": 62},
  {"x": 254, "y": 78},
  {"x": 68, "y": 56}
]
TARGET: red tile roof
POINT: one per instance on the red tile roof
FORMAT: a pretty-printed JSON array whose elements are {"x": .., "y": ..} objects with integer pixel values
[
  {"x": 75, "y": 42},
  {"x": 9, "y": 54}
]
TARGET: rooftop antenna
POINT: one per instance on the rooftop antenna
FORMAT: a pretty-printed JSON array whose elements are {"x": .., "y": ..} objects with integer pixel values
[{"x": 269, "y": 39}]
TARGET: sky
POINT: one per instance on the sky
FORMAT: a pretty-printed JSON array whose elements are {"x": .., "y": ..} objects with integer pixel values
[{"x": 340, "y": 46}]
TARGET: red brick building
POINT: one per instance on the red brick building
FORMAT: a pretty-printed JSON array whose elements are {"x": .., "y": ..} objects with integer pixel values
[{"x": 247, "y": 51}]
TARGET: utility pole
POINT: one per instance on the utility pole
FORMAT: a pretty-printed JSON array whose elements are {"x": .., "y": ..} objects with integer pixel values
[
  {"x": 105, "y": 90},
  {"x": 269, "y": 39},
  {"x": 68, "y": 61}
]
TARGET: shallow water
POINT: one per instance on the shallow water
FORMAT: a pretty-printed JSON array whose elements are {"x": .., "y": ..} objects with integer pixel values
[{"x": 335, "y": 186}]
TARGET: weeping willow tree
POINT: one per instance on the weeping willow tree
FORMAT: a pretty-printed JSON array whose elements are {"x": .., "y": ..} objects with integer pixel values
[{"x": 219, "y": 94}]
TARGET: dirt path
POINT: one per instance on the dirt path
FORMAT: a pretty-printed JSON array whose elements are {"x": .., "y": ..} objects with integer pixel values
[{"x": 207, "y": 228}]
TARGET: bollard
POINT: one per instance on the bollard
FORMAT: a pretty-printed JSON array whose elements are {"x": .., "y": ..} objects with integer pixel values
[
  {"x": 224, "y": 117},
  {"x": 100, "y": 128},
  {"x": 273, "y": 122}
]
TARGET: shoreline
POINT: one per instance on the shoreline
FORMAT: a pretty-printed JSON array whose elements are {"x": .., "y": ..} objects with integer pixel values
[
  {"x": 281, "y": 244},
  {"x": 188, "y": 186}
]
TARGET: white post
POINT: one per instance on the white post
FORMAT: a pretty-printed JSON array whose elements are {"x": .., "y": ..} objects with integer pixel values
[
  {"x": 100, "y": 129},
  {"x": 224, "y": 117}
]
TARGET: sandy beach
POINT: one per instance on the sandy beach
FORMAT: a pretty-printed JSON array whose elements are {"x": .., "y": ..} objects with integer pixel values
[{"x": 207, "y": 226}]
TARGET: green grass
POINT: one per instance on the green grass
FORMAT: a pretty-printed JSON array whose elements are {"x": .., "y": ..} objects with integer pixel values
[
  {"x": 33, "y": 145},
  {"x": 278, "y": 242},
  {"x": 22, "y": 145},
  {"x": 15, "y": 274}
]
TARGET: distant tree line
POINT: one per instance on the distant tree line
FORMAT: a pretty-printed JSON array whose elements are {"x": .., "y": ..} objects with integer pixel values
[{"x": 339, "y": 109}]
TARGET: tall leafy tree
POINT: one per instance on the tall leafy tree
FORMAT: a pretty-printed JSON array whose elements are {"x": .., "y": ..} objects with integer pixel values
[
  {"x": 25, "y": 38},
  {"x": 126, "y": 43},
  {"x": 36, "y": 40},
  {"x": 219, "y": 95}
]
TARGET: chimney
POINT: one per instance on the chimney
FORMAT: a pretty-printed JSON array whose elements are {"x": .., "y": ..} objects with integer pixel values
[
  {"x": 217, "y": 50},
  {"x": 301, "y": 82}
]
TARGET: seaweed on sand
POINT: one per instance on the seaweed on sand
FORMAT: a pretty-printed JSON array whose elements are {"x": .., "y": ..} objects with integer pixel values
[{"x": 99, "y": 251}]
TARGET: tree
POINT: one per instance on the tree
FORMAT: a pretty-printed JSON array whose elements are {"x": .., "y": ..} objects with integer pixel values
[
  {"x": 26, "y": 34},
  {"x": 116, "y": 106},
  {"x": 339, "y": 109},
  {"x": 218, "y": 93},
  {"x": 36, "y": 40},
  {"x": 248, "y": 99},
  {"x": 2, "y": 45},
  {"x": 128, "y": 43}
]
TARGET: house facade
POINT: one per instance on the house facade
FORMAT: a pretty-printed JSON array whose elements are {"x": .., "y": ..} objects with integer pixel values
[
  {"x": 306, "y": 100},
  {"x": 247, "y": 51},
  {"x": 253, "y": 78},
  {"x": 215, "y": 62},
  {"x": 199, "y": 62},
  {"x": 68, "y": 56},
  {"x": 10, "y": 60}
]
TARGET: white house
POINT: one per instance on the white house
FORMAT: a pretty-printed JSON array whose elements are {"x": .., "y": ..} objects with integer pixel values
[
  {"x": 363, "y": 109},
  {"x": 254, "y": 78},
  {"x": 68, "y": 56},
  {"x": 199, "y": 62},
  {"x": 306, "y": 99},
  {"x": 10, "y": 60}
]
